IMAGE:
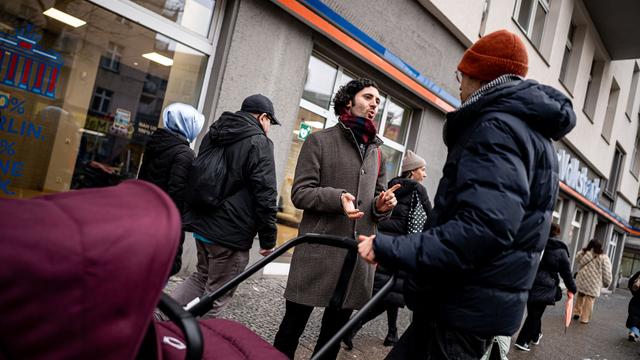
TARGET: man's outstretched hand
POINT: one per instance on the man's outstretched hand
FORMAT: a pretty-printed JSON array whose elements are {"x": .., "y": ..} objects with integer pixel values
[
  {"x": 387, "y": 200},
  {"x": 349, "y": 206}
]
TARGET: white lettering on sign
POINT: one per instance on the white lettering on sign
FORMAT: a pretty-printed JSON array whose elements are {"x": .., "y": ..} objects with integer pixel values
[{"x": 571, "y": 174}]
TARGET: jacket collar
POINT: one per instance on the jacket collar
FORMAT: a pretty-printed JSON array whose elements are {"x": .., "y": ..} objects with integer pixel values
[{"x": 349, "y": 134}]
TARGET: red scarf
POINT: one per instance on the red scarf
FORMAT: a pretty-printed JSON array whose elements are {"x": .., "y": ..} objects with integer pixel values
[{"x": 363, "y": 129}]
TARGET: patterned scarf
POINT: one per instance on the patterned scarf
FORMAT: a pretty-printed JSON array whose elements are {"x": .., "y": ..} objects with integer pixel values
[{"x": 362, "y": 128}]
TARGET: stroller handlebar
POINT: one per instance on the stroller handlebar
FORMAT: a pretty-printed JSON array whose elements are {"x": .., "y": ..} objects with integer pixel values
[
  {"x": 200, "y": 306},
  {"x": 187, "y": 323}
]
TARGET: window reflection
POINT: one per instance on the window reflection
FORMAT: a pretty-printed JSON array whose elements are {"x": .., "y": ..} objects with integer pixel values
[
  {"x": 393, "y": 158},
  {"x": 195, "y": 15},
  {"x": 396, "y": 123},
  {"x": 319, "y": 85},
  {"x": 90, "y": 103},
  {"x": 306, "y": 123}
]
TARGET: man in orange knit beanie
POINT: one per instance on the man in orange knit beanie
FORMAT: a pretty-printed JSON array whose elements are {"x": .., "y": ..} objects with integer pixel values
[{"x": 473, "y": 267}]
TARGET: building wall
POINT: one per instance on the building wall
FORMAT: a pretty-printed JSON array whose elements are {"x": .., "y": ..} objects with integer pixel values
[
  {"x": 408, "y": 30},
  {"x": 461, "y": 18},
  {"x": 544, "y": 66},
  {"x": 268, "y": 54}
]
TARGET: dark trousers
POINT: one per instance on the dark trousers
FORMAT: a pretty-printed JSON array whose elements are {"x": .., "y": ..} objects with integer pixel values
[
  {"x": 424, "y": 339},
  {"x": 295, "y": 320},
  {"x": 392, "y": 318},
  {"x": 532, "y": 326}
]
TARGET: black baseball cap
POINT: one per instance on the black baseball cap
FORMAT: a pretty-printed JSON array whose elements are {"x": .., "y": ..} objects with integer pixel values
[{"x": 259, "y": 104}]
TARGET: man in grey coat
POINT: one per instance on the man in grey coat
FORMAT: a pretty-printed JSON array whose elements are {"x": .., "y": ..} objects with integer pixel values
[{"x": 339, "y": 183}]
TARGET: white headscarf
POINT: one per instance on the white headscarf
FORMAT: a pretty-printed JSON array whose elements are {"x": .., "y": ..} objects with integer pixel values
[{"x": 183, "y": 119}]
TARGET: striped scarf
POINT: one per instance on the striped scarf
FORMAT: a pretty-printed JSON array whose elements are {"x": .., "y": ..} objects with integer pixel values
[
  {"x": 503, "y": 79},
  {"x": 363, "y": 129}
]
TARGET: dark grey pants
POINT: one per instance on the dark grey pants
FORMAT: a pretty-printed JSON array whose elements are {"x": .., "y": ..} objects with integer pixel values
[{"x": 216, "y": 265}]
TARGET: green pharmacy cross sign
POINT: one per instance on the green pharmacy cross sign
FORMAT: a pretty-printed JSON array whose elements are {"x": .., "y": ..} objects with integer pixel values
[{"x": 304, "y": 131}]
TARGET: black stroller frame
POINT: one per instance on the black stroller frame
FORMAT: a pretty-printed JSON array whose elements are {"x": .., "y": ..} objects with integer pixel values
[{"x": 185, "y": 318}]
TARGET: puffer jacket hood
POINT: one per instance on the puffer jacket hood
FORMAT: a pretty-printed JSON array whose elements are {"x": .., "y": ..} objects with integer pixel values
[
  {"x": 163, "y": 139},
  {"x": 545, "y": 109},
  {"x": 233, "y": 127}
]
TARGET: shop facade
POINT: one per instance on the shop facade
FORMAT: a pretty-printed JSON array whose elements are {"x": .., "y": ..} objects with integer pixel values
[
  {"x": 584, "y": 211},
  {"x": 82, "y": 86},
  {"x": 83, "y": 83}
]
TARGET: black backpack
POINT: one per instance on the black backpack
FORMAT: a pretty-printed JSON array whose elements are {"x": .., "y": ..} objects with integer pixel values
[{"x": 207, "y": 179}]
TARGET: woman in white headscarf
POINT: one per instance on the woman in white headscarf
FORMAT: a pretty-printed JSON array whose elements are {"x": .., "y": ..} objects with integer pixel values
[{"x": 168, "y": 157}]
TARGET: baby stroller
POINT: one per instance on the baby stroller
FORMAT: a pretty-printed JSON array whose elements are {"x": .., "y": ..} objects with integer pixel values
[{"x": 82, "y": 272}]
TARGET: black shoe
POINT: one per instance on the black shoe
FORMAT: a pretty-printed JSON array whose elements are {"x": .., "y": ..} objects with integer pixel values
[
  {"x": 390, "y": 340},
  {"x": 347, "y": 340},
  {"x": 536, "y": 341},
  {"x": 522, "y": 347}
]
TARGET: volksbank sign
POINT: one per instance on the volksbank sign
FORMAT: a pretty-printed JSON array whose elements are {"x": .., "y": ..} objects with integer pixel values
[{"x": 576, "y": 177}]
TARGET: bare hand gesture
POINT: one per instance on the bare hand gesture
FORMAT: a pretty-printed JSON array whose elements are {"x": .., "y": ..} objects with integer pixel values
[
  {"x": 365, "y": 248},
  {"x": 265, "y": 252},
  {"x": 349, "y": 207},
  {"x": 387, "y": 200}
]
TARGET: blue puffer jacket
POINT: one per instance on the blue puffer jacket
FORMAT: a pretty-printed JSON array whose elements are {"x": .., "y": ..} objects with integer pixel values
[{"x": 473, "y": 268}]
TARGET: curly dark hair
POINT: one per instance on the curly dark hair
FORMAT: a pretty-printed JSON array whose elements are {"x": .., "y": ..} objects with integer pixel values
[{"x": 348, "y": 92}]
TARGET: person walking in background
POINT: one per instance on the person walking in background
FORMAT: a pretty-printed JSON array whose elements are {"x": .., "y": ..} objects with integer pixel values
[
  {"x": 594, "y": 273},
  {"x": 409, "y": 216},
  {"x": 546, "y": 288},
  {"x": 242, "y": 156},
  {"x": 168, "y": 157},
  {"x": 633, "y": 319},
  {"x": 473, "y": 267},
  {"x": 339, "y": 183}
]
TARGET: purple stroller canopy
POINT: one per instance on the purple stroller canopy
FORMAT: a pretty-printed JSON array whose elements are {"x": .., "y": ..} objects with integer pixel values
[{"x": 82, "y": 271}]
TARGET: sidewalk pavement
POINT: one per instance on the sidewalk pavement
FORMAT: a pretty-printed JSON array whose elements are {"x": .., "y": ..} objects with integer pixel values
[{"x": 258, "y": 303}]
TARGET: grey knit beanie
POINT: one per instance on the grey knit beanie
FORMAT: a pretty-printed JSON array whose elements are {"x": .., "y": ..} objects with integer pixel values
[{"x": 412, "y": 161}]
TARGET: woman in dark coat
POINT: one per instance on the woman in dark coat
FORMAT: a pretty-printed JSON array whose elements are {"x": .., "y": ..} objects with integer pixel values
[
  {"x": 409, "y": 216},
  {"x": 168, "y": 157},
  {"x": 546, "y": 289},
  {"x": 633, "y": 320}
]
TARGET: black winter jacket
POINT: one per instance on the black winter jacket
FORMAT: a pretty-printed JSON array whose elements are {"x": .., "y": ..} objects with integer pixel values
[
  {"x": 546, "y": 286},
  {"x": 166, "y": 163},
  {"x": 249, "y": 204},
  {"x": 473, "y": 268},
  {"x": 633, "y": 319},
  {"x": 397, "y": 224}
]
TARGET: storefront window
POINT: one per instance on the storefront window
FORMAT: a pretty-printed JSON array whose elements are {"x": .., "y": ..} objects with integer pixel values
[
  {"x": 195, "y": 15},
  {"x": 630, "y": 263},
  {"x": 321, "y": 78},
  {"x": 557, "y": 211},
  {"x": 396, "y": 123},
  {"x": 576, "y": 224},
  {"x": 80, "y": 98},
  {"x": 613, "y": 245},
  {"x": 393, "y": 157}
]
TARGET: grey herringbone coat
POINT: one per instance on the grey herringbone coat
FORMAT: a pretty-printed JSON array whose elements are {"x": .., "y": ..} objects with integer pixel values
[
  {"x": 594, "y": 272},
  {"x": 329, "y": 164}
]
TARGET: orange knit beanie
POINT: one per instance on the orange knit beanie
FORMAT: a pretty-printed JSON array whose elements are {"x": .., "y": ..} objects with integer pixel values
[{"x": 501, "y": 52}]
